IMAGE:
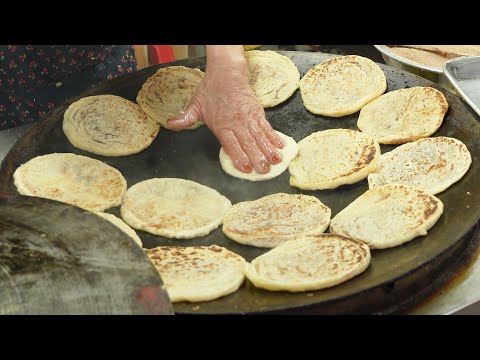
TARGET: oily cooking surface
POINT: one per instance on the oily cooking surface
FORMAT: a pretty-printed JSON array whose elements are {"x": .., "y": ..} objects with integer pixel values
[{"x": 193, "y": 155}]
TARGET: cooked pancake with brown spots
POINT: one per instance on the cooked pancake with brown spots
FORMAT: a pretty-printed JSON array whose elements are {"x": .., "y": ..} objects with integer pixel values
[
  {"x": 311, "y": 262},
  {"x": 272, "y": 77},
  {"x": 330, "y": 158},
  {"x": 168, "y": 92},
  {"x": 403, "y": 115},
  {"x": 431, "y": 164},
  {"x": 342, "y": 85},
  {"x": 72, "y": 179},
  {"x": 174, "y": 208},
  {"x": 388, "y": 216},
  {"x": 274, "y": 219},
  {"x": 198, "y": 273},
  {"x": 108, "y": 125}
]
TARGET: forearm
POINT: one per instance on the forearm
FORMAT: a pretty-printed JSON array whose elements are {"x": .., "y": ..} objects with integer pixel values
[{"x": 226, "y": 56}]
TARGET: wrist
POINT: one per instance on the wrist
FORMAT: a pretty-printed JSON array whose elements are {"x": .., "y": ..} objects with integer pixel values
[{"x": 231, "y": 56}]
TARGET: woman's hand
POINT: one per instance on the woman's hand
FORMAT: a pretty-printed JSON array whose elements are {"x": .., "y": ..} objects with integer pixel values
[{"x": 227, "y": 105}]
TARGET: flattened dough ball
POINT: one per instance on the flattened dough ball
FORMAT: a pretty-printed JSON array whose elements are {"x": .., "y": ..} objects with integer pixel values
[{"x": 288, "y": 153}]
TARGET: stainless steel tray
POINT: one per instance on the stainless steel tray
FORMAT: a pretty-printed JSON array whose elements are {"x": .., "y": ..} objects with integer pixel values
[
  {"x": 428, "y": 72},
  {"x": 464, "y": 75}
]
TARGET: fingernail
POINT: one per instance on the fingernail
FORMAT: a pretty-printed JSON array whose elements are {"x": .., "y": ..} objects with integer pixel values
[
  {"x": 276, "y": 159},
  {"x": 280, "y": 145},
  {"x": 247, "y": 167},
  {"x": 263, "y": 164}
]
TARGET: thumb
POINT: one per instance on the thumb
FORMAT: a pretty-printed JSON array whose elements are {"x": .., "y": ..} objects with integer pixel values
[{"x": 185, "y": 119}]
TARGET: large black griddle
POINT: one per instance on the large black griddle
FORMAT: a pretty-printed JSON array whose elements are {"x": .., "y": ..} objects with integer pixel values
[
  {"x": 60, "y": 259},
  {"x": 394, "y": 274}
]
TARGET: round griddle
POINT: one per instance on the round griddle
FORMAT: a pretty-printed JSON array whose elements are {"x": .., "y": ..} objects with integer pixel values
[
  {"x": 394, "y": 274},
  {"x": 60, "y": 259}
]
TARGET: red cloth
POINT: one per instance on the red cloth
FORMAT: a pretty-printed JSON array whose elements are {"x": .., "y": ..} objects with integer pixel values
[{"x": 160, "y": 54}]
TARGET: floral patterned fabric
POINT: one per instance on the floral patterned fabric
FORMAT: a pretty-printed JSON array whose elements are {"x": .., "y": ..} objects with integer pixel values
[{"x": 36, "y": 78}]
